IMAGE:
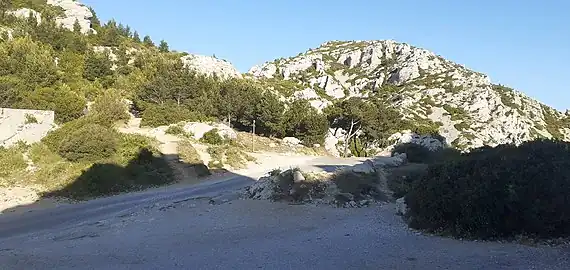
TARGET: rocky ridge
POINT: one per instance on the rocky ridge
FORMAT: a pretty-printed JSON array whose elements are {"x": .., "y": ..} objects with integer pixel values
[
  {"x": 210, "y": 66},
  {"x": 73, "y": 11},
  {"x": 469, "y": 109}
]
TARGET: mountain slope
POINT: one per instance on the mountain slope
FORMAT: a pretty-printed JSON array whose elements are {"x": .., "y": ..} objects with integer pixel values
[{"x": 470, "y": 110}]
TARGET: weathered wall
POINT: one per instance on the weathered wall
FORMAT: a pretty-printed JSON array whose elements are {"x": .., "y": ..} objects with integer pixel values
[{"x": 14, "y": 127}]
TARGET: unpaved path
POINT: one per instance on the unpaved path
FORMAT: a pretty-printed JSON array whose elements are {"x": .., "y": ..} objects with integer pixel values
[{"x": 245, "y": 234}]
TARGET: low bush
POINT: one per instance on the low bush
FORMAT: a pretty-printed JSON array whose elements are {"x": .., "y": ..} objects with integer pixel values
[
  {"x": 400, "y": 179},
  {"x": 91, "y": 142},
  {"x": 175, "y": 130},
  {"x": 212, "y": 137},
  {"x": 496, "y": 192},
  {"x": 162, "y": 115},
  {"x": 136, "y": 164},
  {"x": 109, "y": 109},
  {"x": 190, "y": 156},
  {"x": 414, "y": 152},
  {"x": 357, "y": 184},
  {"x": 11, "y": 161}
]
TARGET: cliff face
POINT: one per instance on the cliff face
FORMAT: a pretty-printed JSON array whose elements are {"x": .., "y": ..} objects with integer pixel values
[{"x": 470, "y": 110}]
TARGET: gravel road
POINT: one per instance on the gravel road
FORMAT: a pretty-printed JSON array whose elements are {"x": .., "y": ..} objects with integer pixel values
[
  {"x": 195, "y": 231},
  {"x": 244, "y": 234}
]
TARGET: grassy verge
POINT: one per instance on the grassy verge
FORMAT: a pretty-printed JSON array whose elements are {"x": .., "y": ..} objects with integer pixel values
[
  {"x": 135, "y": 165},
  {"x": 190, "y": 156},
  {"x": 12, "y": 165},
  {"x": 230, "y": 155}
]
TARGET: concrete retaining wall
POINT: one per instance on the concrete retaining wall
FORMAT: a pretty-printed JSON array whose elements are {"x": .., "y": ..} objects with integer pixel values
[{"x": 14, "y": 126}]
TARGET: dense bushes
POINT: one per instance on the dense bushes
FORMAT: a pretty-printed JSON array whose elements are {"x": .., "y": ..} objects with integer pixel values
[
  {"x": 91, "y": 142},
  {"x": 414, "y": 152},
  {"x": 417, "y": 153},
  {"x": 497, "y": 192},
  {"x": 212, "y": 137},
  {"x": 109, "y": 108},
  {"x": 143, "y": 170},
  {"x": 161, "y": 115}
]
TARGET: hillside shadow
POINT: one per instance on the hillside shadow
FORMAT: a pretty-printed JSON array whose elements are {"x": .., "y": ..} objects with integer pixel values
[{"x": 145, "y": 179}]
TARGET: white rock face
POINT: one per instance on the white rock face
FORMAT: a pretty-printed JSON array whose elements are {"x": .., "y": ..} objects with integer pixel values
[
  {"x": 15, "y": 125},
  {"x": 74, "y": 11},
  {"x": 408, "y": 136},
  {"x": 401, "y": 207},
  {"x": 470, "y": 111},
  {"x": 291, "y": 141},
  {"x": 198, "y": 129},
  {"x": 6, "y": 33},
  {"x": 24, "y": 13},
  {"x": 209, "y": 66}
]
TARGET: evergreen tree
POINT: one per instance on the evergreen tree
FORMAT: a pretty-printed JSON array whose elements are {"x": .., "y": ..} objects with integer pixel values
[
  {"x": 136, "y": 37},
  {"x": 147, "y": 41},
  {"x": 97, "y": 65},
  {"x": 77, "y": 27},
  {"x": 95, "y": 22},
  {"x": 163, "y": 47}
]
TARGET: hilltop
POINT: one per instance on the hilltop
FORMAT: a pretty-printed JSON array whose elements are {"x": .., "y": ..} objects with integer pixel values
[{"x": 468, "y": 109}]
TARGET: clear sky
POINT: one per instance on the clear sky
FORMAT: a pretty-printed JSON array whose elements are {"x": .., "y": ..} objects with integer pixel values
[{"x": 522, "y": 44}]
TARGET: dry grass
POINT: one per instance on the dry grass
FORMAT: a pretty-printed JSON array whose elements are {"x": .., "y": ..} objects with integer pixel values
[
  {"x": 12, "y": 165},
  {"x": 188, "y": 153},
  {"x": 231, "y": 155},
  {"x": 265, "y": 144}
]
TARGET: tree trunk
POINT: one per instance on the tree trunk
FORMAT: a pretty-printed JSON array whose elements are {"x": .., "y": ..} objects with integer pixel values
[{"x": 347, "y": 138}]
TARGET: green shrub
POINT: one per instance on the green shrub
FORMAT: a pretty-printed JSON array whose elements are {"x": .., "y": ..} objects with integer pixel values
[
  {"x": 66, "y": 104},
  {"x": 190, "y": 156},
  {"x": 161, "y": 115},
  {"x": 56, "y": 137},
  {"x": 174, "y": 130},
  {"x": 109, "y": 108},
  {"x": 11, "y": 161},
  {"x": 414, "y": 152},
  {"x": 496, "y": 192},
  {"x": 401, "y": 179},
  {"x": 358, "y": 184},
  {"x": 91, "y": 142},
  {"x": 212, "y": 137},
  {"x": 144, "y": 170},
  {"x": 31, "y": 119}
]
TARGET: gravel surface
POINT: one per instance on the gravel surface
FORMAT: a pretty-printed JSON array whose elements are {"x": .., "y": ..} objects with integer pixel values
[
  {"x": 246, "y": 234},
  {"x": 207, "y": 227}
]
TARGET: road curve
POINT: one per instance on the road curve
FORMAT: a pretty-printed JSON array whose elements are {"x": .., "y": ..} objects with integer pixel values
[{"x": 14, "y": 224}]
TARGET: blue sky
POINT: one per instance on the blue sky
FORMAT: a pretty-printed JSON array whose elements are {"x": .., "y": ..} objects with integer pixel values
[{"x": 522, "y": 44}]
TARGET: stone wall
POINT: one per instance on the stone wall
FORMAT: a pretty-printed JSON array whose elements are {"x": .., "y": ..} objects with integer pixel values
[{"x": 17, "y": 125}]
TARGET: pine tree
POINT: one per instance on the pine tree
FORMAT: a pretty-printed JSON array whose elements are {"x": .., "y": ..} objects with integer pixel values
[
  {"x": 163, "y": 47},
  {"x": 136, "y": 37},
  {"x": 95, "y": 22},
  {"x": 147, "y": 41},
  {"x": 77, "y": 27},
  {"x": 97, "y": 66}
]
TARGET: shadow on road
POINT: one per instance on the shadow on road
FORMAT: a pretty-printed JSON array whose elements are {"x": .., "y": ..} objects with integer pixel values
[{"x": 106, "y": 189}]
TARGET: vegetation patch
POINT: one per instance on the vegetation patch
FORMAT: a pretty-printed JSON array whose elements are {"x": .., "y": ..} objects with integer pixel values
[
  {"x": 12, "y": 164},
  {"x": 191, "y": 157},
  {"x": 228, "y": 155},
  {"x": 498, "y": 192}
]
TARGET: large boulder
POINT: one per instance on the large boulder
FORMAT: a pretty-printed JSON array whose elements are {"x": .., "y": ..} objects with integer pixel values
[
  {"x": 29, "y": 126},
  {"x": 427, "y": 141},
  {"x": 24, "y": 13},
  {"x": 291, "y": 141},
  {"x": 73, "y": 11},
  {"x": 210, "y": 66},
  {"x": 401, "y": 207},
  {"x": 198, "y": 129}
]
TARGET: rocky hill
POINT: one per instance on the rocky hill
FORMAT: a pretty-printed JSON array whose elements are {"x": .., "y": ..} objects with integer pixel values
[{"x": 469, "y": 109}]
